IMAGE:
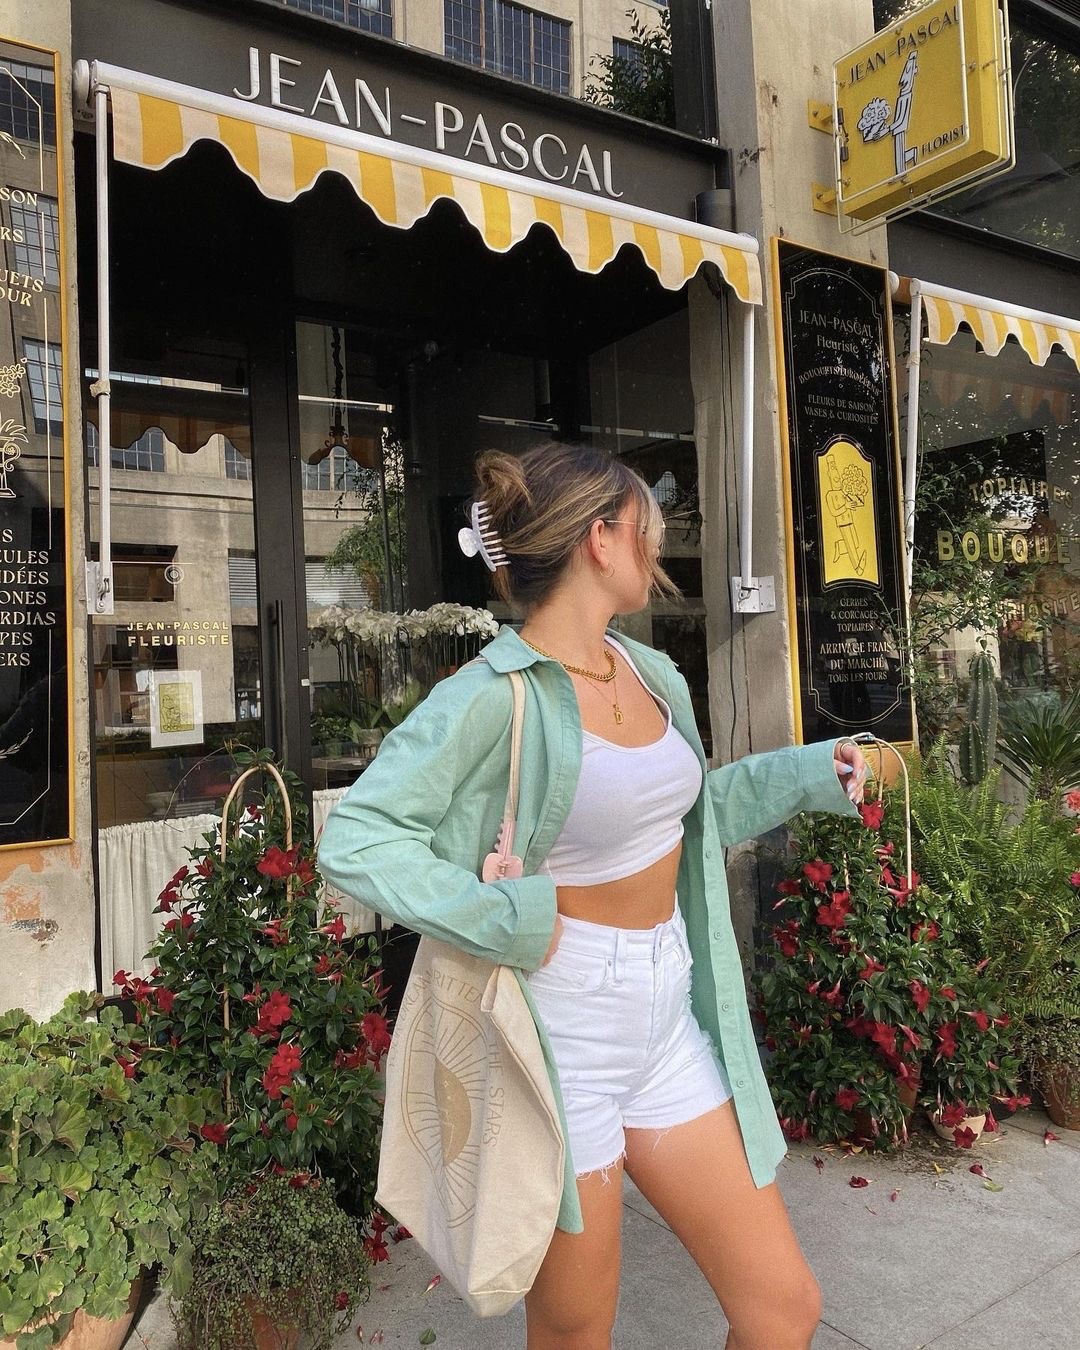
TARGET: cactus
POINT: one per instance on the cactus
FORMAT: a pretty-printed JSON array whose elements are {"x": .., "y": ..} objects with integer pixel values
[{"x": 978, "y": 740}]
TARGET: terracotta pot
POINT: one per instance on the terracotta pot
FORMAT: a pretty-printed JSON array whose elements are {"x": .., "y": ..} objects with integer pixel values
[
  {"x": 95, "y": 1333},
  {"x": 974, "y": 1123},
  {"x": 1058, "y": 1086},
  {"x": 270, "y": 1333}
]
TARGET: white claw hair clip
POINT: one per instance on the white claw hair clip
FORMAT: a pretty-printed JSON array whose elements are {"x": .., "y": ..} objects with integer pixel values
[{"x": 482, "y": 539}]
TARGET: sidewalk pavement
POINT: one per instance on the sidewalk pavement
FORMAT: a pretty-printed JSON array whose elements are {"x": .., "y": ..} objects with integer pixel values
[{"x": 947, "y": 1263}]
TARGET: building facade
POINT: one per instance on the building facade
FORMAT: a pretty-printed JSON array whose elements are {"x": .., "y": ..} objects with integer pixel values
[{"x": 350, "y": 245}]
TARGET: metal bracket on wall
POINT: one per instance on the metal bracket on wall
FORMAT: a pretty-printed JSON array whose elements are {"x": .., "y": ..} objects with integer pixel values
[
  {"x": 753, "y": 595},
  {"x": 819, "y": 116},
  {"x": 824, "y": 198}
]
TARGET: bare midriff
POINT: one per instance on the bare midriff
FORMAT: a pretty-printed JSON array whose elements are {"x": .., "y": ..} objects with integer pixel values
[{"x": 640, "y": 901}]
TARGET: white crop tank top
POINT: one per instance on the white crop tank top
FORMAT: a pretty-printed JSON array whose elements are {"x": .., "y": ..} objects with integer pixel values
[{"x": 628, "y": 808}]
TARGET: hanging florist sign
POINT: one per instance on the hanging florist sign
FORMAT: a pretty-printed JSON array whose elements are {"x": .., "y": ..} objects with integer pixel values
[{"x": 922, "y": 108}]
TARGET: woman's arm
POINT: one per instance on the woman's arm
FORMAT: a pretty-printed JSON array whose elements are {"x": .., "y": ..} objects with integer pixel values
[
  {"x": 758, "y": 792},
  {"x": 376, "y": 845}
]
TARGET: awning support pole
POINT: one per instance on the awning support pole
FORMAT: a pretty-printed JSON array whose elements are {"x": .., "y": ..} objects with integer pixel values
[
  {"x": 911, "y": 440},
  {"x": 749, "y": 594},
  {"x": 99, "y": 575}
]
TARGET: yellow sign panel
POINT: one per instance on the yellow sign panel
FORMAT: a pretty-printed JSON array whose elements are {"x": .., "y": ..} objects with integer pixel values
[
  {"x": 846, "y": 509},
  {"x": 923, "y": 106}
]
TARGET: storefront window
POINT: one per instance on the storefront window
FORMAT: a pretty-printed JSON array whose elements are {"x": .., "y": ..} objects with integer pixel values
[
  {"x": 373, "y": 16},
  {"x": 997, "y": 527},
  {"x": 509, "y": 39},
  {"x": 1038, "y": 201}
]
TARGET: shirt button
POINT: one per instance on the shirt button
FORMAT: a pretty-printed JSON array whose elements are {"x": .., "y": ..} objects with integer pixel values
[
  {"x": 708, "y": 853},
  {"x": 725, "y": 1007},
  {"x": 740, "y": 1082},
  {"x": 718, "y": 935}
]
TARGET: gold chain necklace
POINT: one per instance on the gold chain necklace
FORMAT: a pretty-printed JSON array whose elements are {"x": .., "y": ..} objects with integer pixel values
[{"x": 589, "y": 675}]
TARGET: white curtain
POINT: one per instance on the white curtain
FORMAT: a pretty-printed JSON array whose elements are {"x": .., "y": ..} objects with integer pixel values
[{"x": 136, "y": 861}]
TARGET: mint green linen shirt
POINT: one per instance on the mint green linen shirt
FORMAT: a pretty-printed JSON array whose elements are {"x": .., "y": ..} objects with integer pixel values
[{"x": 409, "y": 838}]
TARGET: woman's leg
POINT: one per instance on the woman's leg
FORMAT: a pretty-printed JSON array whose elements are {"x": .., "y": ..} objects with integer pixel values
[
  {"x": 572, "y": 1303},
  {"x": 697, "y": 1177}
]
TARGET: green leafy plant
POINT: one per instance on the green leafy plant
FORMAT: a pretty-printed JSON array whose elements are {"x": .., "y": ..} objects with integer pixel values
[
  {"x": 642, "y": 85},
  {"x": 102, "y": 1169},
  {"x": 255, "y": 991},
  {"x": 1051, "y": 1051},
  {"x": 1010, "y": 884},
  {"x": 867, "y": 988},
  {"x": 1040, "y": 743},
  {"x": 279, "y": 1246}
]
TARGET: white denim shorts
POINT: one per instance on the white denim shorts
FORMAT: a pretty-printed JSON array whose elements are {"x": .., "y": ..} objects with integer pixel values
[{"x": 629, "y": 1051}]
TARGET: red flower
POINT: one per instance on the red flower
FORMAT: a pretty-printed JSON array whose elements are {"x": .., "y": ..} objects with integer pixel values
[
  {"x": 352, "y": 1059},
  {"x": 913, "y": 1040},
  {"x": 400, "y": 1233},
  {"x": 842, "y": 944},
  {"x": 277, "y": 864},
  {"x": 846, "y": 1098},
  {"x": 885, "y": 851},
  {"x": 205, "y": 868},
  {"x": 818, "y": 873},
  {"x": 291, "y": 1121},
  {"x": 1015, "y": 1103},
  {"x": 920, "y": 995},
  {"x": 795, "y": 1130},
  {"x": 790, "y": 887},
  {"x": 128, "y": 1065},
  {"x": 833, "y": 997},
  {"x": 121, "y": 978},
  {"x": 834, "y": 914},
  {"x": 255, "y": 994},
  {"x": 872, "y": 813},
  {"x": 300, "y": 1181},
  {"x": 305, "y": 872},
  {"x": 991, "y": 1123},
  {"x": 376, "y": 1249},
  {"x": 336, "y": 929},
  {"x": 285, "y": 1061},
  {"x": 884, "y": 1037},
  {"x": 953, "y": 1114},
  {"x": 341, "y": 1301},
  {"x": 376, "y": 1034},
  {"x": 786, "y": 937},
  {"x": 981, "y": 1020},
  {"x": 925, "y": 928},
  {"x": 214, "y": 1133},
  {"x": 278, "y": 936},
  {"x": 902, "y": 889},
  {"x": 165, "y": 999},
  {"x": 1074, "y": 879},
  {"x": 946, "y": 1035},
  {"x": 1049, "y": 1137},
  {"x": 273, "y": 1015},
  {"x": 947, "y": 991},
  {"x": 858, "y": 1183},
  {"x": 872, "y": 967},
  {"x": 803, "y": 1034},
  {"x": 964, "y": 1137}
]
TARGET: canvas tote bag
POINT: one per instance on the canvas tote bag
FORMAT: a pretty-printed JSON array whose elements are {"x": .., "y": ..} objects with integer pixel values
[{"x": 472, "y": 1152}]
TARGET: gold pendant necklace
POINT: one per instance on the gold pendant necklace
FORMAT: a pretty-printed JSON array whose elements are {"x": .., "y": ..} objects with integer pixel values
[{"x": 607, "y": 678}]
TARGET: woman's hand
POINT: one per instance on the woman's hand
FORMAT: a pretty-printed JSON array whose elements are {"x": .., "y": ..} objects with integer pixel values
[
  {"x": 851, "y": 769},
  {"x": 556, "y": 938}
]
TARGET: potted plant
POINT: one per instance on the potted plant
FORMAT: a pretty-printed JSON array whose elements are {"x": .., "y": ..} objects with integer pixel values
[
  {"x": 277, "y": 1259},
  {"x": 973, "y": 1062},
  {"x": 1052, "y": 1052},
  {"x": 102, "y": 1173},
  {"x": 848, "y": 1002},
  {"x": 254, "y": 992}
]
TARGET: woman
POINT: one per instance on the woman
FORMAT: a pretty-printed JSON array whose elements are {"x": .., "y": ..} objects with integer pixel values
[{"x": 622, "y": 833}]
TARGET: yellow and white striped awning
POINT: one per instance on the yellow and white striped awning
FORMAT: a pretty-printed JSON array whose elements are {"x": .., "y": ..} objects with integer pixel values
[
  {"x": 994, "y": 321},
  {"x": 156, "y": 122}
]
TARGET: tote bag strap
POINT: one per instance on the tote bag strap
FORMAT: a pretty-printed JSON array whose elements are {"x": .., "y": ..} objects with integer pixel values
[{"x": 502, "y": 863}]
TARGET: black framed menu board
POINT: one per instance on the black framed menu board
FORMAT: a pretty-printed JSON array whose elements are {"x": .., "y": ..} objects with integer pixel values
[
  {"x": 846, "y": 591},
  {"x": 35, "y": 583}
]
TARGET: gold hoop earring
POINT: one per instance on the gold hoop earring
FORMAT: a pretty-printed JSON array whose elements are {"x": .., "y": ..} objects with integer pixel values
[{"x": 608, "y": 571}]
